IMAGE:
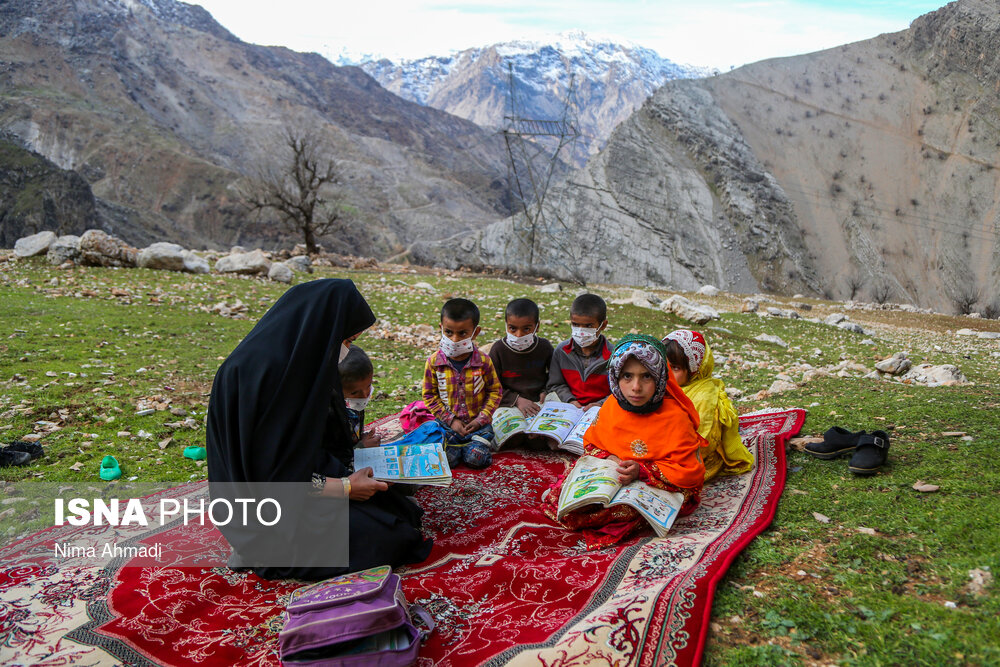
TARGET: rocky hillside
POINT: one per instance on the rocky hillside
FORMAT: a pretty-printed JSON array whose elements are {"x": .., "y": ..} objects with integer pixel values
[
  {"x": 866, "y": 169},
  {"x": 162, "y": 111},
  {"x": 611, "y": 80}
]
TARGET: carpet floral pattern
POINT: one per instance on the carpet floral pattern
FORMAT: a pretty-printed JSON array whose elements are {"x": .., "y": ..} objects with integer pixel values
[{"x": 504, "y": 583}]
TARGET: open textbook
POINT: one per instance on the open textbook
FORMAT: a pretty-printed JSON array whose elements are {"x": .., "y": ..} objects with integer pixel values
[
  {"x": 594, "y": 481},
  {"x": 413, "y": 464},
  {"x": 565, "y": 424}
]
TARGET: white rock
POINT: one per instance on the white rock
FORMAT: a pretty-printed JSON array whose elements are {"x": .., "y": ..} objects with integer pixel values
[
  {"x": 990, "y": 335},
  {"x": 64, "y": 249},
  {"x": 768, "y": 338},
  {"x": 425, "y": 286},
  {"x": 965, "y": 332},
  {"x": 246, "y": 262},
  {"x": 733, "y": 392},
  {"x": 835, "y": 318},
  {"x": 936, "y": 376},
  {"x": 280, "y": 272},
  {"x": 851, "y": 326},
  {"x": 698, "y": 313},
  {"x": 709, "y": 290},
  {"x": 775, "y": 312},
  {"x": 779, "y": 386},
  {"x": 36, "y": 244},
  {"x": 194, "y": 263},
  {"x": 161, "y": 256},
  {"x": 300, "y": 264},
  {"x": 551, "y": 287},
  {"x": 897, "y": 364}
]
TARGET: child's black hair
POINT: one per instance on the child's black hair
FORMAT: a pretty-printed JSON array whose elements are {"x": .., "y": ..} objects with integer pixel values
[
  {"x": 590, "y": 305},
  {"x": 675, "y": 355},
  {"x": 521, "y": 308},
  {"x": 356, "y": 366},
  {"x": 458, "y": 310}
]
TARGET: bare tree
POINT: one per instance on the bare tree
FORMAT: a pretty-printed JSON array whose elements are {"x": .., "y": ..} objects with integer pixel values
[
  {"x": 299, "y": 188},
  {"x": 854, "y": 283},
  {"x": 965, "y": 298},
  {"x": 881, "y": 291}
]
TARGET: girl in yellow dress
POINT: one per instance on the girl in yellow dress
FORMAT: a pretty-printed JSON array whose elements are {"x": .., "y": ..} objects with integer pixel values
[{"x": 691, "y": 363}]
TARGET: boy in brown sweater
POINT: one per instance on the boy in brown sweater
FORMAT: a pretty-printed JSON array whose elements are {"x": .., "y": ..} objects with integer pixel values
[{"x": 522, "y": 358}]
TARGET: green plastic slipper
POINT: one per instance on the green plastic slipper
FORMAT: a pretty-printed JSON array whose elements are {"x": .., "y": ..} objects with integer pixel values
[
  {"x": 195, "y": 453},
  {"x": 110, "y": 469}
]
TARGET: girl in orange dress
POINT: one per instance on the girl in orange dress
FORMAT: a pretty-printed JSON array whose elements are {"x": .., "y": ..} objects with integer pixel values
[{"x": 650, "y": 429}]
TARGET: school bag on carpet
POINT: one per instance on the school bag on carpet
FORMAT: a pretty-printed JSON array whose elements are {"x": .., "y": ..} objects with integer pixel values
[{"x": 360, "y": 618}]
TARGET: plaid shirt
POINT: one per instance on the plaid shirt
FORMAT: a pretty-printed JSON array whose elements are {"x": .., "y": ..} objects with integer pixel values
[{"x": 472, "y": 392}]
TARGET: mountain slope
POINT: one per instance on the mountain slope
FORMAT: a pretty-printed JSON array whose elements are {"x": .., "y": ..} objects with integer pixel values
[
  {"x": 873, "y": 163},
  {"x": 611, "y": 80},
  {"x": 162, "y": 110}
]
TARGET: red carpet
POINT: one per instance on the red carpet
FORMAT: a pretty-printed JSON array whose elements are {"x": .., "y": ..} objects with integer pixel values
[{"x": 504, "y": 583}]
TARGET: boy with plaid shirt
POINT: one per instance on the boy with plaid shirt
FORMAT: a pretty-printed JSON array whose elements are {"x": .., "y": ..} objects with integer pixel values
[{"x": 461, "y": 387}]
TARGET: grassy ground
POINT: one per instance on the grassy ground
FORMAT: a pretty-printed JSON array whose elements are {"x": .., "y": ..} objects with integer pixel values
[{"x": 85, "y": 350}]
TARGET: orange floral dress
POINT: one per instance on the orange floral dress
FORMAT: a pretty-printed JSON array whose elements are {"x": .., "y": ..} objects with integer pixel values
[{"x": 665, "y": 443}]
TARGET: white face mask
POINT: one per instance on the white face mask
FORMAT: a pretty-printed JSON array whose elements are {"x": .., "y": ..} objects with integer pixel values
[
  {"x": 521, "y": 343},
  {"x": 357, "y": 404},
  {"x": 584, "y": 336},
  {"x": 343, "y": 352},
  {"x": 452, "y": 349}
]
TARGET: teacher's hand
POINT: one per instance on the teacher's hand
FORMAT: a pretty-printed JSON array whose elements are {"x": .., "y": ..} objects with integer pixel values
[{"x": 364, "y": 486}]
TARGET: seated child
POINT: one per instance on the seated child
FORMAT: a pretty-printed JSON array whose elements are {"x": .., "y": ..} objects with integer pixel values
[
  {"x": 356, "y": 374},
  {"x": 650, "y": 428},
  {"x": 578, "y": 372},
  {"x": 691, "y": 362},
  {"x": 461, "y": 387},
  {"x": 521, "y": 359}
]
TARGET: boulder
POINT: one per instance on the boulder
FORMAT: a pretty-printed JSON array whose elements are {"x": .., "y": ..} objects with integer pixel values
[
  {"x": 834, "y": 319},
  {"x": 990, "y": 335},
  {"x": 851, "y": 326},
  {"x": 161, "y": 257},
  {"x": 779, "y": 386},
  {"x": 551, "y": 287},
  {"x": 244, "y": 262},
  {"x": 280, "y": 272},
  {"x": 100, "y": 249},
  {"x": 768, "y": 338},
  {"x": 708, "y": 290},
  {"x": 800, "y": 305},
  {"x": 36, "y": 244},
  {"x": 936, "y": 376},
  {"x": 965, "y": 332},
  {"x": 425, "y": 286},
  {"x": 897, "y": 364},
  {"x": 300, "y": 264},
  {"x": 698, "y": 313},
  {"x": 64, "y": 249}
]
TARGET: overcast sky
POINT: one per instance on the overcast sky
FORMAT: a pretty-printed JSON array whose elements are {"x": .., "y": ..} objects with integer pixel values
[{"x": 713, "y": 33}]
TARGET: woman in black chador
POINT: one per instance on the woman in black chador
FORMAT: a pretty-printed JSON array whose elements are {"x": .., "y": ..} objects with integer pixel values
[{"x": 277, "y": 415}]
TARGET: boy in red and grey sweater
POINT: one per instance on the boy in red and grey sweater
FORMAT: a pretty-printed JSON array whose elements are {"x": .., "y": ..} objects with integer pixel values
[{"x": 578, "y": 372}]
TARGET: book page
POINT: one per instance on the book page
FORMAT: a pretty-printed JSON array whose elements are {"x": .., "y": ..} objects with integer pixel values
[
  {"x": 508, "y": 422},
  {"x": 405, "y": 463},
  {"x": 574, "y": 441},
  {"x": 592, "y": 480},
  {"x": 657, "y": 506},
  {"x": 555, "y": 420}
]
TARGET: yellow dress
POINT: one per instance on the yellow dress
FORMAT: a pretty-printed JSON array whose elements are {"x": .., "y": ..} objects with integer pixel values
[{"x": 725, "y": 453}]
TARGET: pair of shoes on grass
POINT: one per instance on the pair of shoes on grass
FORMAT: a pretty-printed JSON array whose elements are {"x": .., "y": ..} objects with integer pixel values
[
  {"x": 868, "y": 451},
  {"x": 20, "y": 453}
]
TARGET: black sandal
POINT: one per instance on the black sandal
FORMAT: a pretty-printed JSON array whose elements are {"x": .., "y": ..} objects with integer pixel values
[
  {"x": 871, "y": 454},
  {"x": 837, "y": 442}
]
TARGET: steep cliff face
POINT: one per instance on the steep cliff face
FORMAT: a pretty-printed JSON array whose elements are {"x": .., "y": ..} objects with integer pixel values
[
  {"x": 872, "y": 164},
  {"x": 162, "y": 110},
  {"x": 36, "y": 195}
]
